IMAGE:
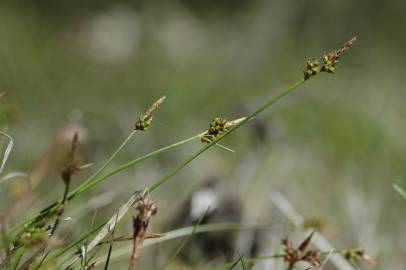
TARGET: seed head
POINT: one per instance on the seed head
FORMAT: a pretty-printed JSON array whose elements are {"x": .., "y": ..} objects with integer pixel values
[
  {"x": 294, "y": 255},
  {"x": 145, "y": 120},
  {"x": 147, "y": 208},
  {"x": 34, "y": 236},
  {"x": 217, "y": 126},
  {"x": 329, "y": 60},
  {"x": 72, "y": 164},
  {"x": 312, "y": 68},
  {"x": 355, "y": 255}
]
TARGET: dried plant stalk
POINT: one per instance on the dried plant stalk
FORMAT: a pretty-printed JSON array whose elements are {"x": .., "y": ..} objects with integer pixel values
[{"x": 146, "y": 209}]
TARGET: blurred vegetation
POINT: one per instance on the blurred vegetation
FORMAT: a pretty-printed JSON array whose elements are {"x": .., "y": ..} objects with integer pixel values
[{"x": 334, "y": 148}]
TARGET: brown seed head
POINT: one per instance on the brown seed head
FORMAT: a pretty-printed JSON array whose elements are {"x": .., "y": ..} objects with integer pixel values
[
  {"x": 329, "y": 60},
  {"x": 292, "y": 255},
  {"x": 72, "y": 164}
]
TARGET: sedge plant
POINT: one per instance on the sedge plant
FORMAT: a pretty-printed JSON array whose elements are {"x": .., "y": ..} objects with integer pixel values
[{"x": 219, "y": 129}]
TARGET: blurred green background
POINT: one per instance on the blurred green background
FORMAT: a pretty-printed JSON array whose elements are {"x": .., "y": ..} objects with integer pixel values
[{"x": 333, "y": 148}]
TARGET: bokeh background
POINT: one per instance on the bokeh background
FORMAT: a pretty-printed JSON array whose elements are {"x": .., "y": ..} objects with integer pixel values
[{"x": 333, "y": 148}]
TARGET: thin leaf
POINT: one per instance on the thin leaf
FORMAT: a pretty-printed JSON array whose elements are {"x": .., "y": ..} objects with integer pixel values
[
  {"x": 187, "y": 239},
  {"x": 240, "y": 259},
  {"x": 7, "y": 151},
  {"x": 204, "y": 228},
  {"x": 109, "y": 226},
  {"x": 326, "y": 260},
  {"x": 113, "y": 221},
  {"x": 106, "y": 266},
  {"x": 165, "y": 178},
  {"x": 399, "y": 190},
  {"x": 247, "y": 261}
]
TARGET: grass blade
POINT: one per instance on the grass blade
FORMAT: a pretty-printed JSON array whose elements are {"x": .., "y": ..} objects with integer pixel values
[
  {"x": 106, "y": 266},
  {"x": 399, "y": 190},
  {"x": 7, "y": 151},
  {"x": 187, "y": 231},
  {"x": 268, "y": 104},
  {"x": 186, "y": 240}
]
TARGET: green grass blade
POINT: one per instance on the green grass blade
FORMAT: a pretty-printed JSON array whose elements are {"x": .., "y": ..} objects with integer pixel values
[
  {"x": 124, "y": 166},
  {"x": 187, "y": 231},
  {"x": 76, "y": 191},
  {"x": 272, "y": 101},
  {"x": 82, "y": 188},
  {"x": 399, "y": 190},
  {"x": 186, "y": 240},
  {"x": 165, "y": 178},
  {"x": 104, "y": 166},
  {"x": 247, "y": 261},
  {"x": 6, "y": 152},
  {"x": 224, "y": 135},
  {"x": 106, "y": 266}
]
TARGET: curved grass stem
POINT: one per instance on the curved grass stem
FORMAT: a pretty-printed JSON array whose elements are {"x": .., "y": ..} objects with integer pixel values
[
  {"x": 222, "y": 136},
  {"x": 72, "y": 194},
  {"x": 182, "y": 165},
  {"x": 93, "y": 180}
]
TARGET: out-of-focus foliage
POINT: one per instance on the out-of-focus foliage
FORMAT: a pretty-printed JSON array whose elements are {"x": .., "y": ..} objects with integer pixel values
[{"x": 334, "y": 148}]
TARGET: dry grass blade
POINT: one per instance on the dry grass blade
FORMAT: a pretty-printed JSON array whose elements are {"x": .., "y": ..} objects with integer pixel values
[
  {"x": 113, "y": 221},
  {"x": 7, "y": 151},
  {"x": 326, "y": 260},
  {"x": 110, "y": 225},
  {"x": 106, "y": 266}
]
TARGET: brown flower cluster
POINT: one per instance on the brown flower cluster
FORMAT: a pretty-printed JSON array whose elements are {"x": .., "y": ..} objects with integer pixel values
[
  {"x": 355, "y": 255},
  {"x": 329, "y": 61},
  {"x": 294, "y": 255},
  {"x": 147, "y": 208},
  {"x": 72, "y": 164}
]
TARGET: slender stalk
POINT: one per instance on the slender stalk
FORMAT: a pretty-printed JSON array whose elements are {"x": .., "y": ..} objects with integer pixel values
[
  {"x": 182, "y": 232},
  {"x": 221, "y": 137},
  {"x": 124, "y": 166},
  {"x": 166, "y": 177},
  {"x": 269, "y": 257},
  {"x": 63, "y": 203},
  {"x": 352, "y": 255},
  {"x": 78, "y": 189},
  {"x": 93, "y": 181},
  {"x": 56, "y": 223},
  {"x": 107, "y": 163},
  {"x": 186, "y": 240},
  {"x": 399, "y": 190}
]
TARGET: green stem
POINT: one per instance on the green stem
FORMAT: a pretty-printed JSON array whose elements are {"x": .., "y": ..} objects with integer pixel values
[
  {"x": 101, "y": 169},
  {"x": 200, "y": 151},
  {"x": 269, "y": 257},
  {"x": 88, "y": 184},
  {"x": 129, "y": 164},
  {"x": 78, "y": 189},
  {"x": 221, "y": 137}
]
